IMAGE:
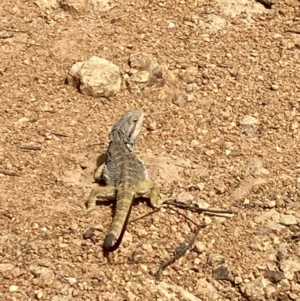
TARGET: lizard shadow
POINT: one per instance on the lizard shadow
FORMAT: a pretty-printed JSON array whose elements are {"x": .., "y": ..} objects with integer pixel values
[{"x": 113, "y": 202}]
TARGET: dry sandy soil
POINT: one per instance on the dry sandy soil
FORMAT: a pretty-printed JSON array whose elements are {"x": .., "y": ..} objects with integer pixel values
[{"x": 232, "y": 145}]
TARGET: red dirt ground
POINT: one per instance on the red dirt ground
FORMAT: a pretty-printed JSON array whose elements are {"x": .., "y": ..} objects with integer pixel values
[{"x": 240, "y": 60}]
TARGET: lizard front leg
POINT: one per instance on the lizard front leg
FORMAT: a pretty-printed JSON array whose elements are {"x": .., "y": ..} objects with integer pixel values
[
  {"x": 99, "y": 172},
  {"x": 102, "y": 192}
]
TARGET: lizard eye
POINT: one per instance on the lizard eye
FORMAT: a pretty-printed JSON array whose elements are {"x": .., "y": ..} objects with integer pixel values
[{"x": 135, "y": 120}]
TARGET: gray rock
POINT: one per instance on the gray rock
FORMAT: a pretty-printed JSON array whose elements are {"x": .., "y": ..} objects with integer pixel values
[
  {"x": 222, "y": 273},
  {"x": 274, "y": 276}
]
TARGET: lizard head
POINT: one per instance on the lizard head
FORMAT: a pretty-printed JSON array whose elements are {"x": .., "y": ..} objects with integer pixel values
[{"x": 128, "y": 127}]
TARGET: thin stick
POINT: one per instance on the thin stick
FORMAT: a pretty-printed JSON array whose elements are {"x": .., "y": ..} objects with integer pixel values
[
  {"x": 180, "y": 250},
  {"x": 196, "y": 209},
  {"x": 14, "y": 30},
  {"x": 297, "y": 31},
  {"x": 143, "y": 216},
  {"x": 185, "y": 216},
  {"x": 9, "y": 173},
  {"x": 59, "y": 134},
  {"x": 6, "y": 36},
  {"x": 94, "y": 144},
  {"x": 30, "y": 147}
]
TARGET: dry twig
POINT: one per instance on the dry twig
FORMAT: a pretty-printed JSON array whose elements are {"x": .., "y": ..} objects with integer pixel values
[
  {"x": 180, "y": 251},
  {"x": 59, "y": 134},
  {"x": 30, "y": 147},
  {"x": 9, "y": 173},
  {"x": 297, "y": 31},
  {"x": 196, "y": 208},
  {"x": 182, "y": 248}
]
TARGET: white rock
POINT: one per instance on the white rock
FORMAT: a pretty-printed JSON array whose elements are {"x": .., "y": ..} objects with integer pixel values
[
  {"x": 216, "y": 259},
  {"x": 171, "y": 25},
  {"x": 205, "y": 291},
  {"x": 207, "y": 220},
  {"x": 270, "y": 290},
  {"x": 289, "y": 267},
  {"x": 202, "y": 204},
  {"x": 201, "y": 186},
  {"x": 288, "y": 219},
  {"x": 272, "y": 215},
  {"x": 6, "y": 268},
  {"x": 101, "y": 5},
  {"x": 248, "y": 120},
  {"x": 210, "y": 152},
  {"x": 39, "y": 294},
  {"x": 254, "y": 290},
  {"x": 71, "y": 280},
  {"x": 274, "y": 87},
  {"x": 185, "y": 197},
  {"x": 13, "y": 288},
  {"x": 200, "y": 246},
  {"x": 194, "y": 143},
  {"x": 45, "y": 4},
  {"x": 96, "y": 77},
  {"x": 255, "y": 167}
]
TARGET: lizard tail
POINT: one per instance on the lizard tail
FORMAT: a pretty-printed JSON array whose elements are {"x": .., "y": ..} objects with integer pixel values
[{"x": 117, "y": 229}]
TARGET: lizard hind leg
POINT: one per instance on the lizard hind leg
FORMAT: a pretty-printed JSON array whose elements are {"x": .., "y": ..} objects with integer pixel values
[
  {"x": 149, "y": 189},
  {"x": 102, "y": 192}
]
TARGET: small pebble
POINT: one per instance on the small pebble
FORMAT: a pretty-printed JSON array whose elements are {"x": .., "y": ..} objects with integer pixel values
[
  {"x": 271, "y": 204},
  {"x": 207, "y": 220},
  {"x": 248, "y": 120},
  {"x": 39, "y": 294},
  {"x": 13, "y": 288},
  {"x": 189, "y": 88},
  {"x": 274, "y": 87},
  {"x": 88, "y": 234},
  {"x": 197, "y": 261},
  {"x": 210, "y": 152},
  {"x": 200, "y": 246},
  {"x": 171, "y": 25},
  {"x": 71, "y": 280},
  {"x": 144, "y": 267},
  {"x": 194, "y": 143},
  {"x": 270, "y": 290}
]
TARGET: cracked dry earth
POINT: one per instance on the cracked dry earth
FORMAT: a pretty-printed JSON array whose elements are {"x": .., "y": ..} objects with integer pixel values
[{"x": 233, "y": 144}]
